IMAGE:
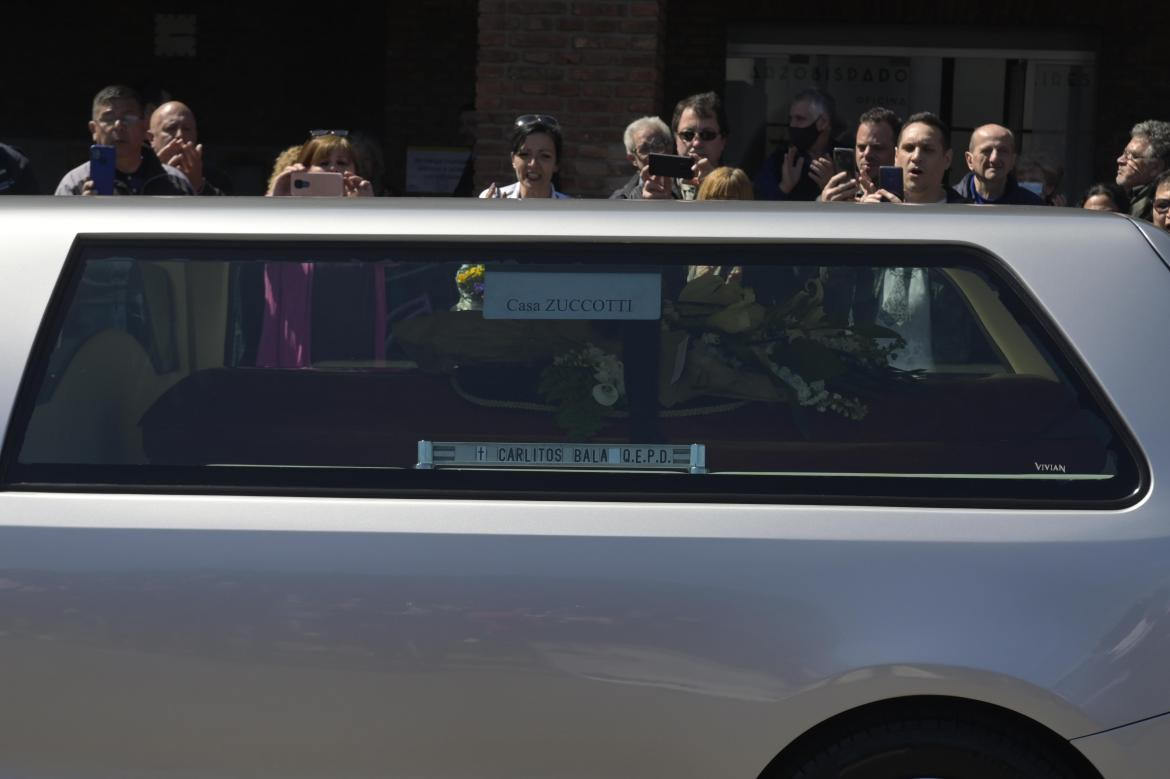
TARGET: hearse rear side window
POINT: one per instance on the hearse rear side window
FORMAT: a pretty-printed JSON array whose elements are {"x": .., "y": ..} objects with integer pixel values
[{"x": 697, "y": 372}]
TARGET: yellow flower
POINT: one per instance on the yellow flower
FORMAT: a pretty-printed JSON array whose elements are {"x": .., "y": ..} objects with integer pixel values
[{"x": 472, "y": 273}]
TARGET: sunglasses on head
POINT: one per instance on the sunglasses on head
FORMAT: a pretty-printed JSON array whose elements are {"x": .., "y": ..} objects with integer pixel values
[
  {"x": 704, "y": 135},
  {"x": 527, "y": 120},
  {"x": 319, "y": 133}
]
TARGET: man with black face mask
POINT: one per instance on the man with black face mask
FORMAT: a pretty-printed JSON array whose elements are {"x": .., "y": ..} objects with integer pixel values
[{"x": 800, "y": 169}]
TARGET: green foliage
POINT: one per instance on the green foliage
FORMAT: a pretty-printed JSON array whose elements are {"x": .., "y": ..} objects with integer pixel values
[{"x": 570, "y": 388}]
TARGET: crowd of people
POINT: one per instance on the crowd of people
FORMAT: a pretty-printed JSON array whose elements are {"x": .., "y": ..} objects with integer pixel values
[
  {"x": 916, "y": 151},
  {"x": 156, "y": 151}
]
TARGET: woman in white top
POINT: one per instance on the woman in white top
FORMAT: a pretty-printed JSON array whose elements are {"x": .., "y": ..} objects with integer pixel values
[{"x": 536, "y": 155}]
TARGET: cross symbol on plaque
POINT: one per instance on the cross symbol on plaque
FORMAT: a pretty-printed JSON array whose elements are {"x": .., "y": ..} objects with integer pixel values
[{"x": 480, "y": 453}]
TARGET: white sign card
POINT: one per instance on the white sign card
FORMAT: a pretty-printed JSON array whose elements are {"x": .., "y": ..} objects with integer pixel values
[{"x": 518, "y": 294}]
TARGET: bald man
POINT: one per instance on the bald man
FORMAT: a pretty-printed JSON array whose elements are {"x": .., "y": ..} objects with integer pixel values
[
  {"x": 991, "y": 158},
  {"x": 174, "y": 136}
]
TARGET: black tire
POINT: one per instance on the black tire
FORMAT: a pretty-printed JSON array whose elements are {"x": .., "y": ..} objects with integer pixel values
[{"x": 935, "y": 748}]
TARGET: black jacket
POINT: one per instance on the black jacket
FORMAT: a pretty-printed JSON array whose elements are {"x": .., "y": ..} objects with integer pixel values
[
  {"x": 1141, "y": 202},
  {"x": 1013, "y": 193},
  {"x": 631, "y": 190},
  {"x": 151, "y": 178},
  {"x": 767, "y": 181}
]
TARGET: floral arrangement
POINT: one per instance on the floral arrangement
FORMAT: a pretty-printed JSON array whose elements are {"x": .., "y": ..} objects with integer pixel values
[
  {"x": 585, "y": 384},
  {"x": 469, "y": 283},
  {"x": 806, "y": 360},
  {"x": 726, "y": 344}
]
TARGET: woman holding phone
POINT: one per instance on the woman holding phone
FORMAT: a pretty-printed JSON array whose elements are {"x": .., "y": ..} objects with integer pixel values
[
  {"x": 536, "y": 157},
  {"x": 290, "y": 335},
  {"x": 328, "y": 151}
]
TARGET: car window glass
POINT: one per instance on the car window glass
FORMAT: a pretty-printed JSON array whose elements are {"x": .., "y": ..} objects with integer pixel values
[{"x": 816, "y": 362}]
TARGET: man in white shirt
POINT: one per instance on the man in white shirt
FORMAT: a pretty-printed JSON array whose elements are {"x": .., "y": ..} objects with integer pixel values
[{"x": 903, "y": 294}]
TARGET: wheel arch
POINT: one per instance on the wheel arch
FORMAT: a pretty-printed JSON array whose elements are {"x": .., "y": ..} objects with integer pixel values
[{"x": 823, "y": 734}]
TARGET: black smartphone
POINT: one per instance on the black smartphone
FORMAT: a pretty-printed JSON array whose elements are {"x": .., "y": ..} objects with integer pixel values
[
  {"x": 845, "y": 160},
  {"x": 672, "y": 165},
  {"x": 101, "y": 168},
  {"x": 890, "y": 179}
]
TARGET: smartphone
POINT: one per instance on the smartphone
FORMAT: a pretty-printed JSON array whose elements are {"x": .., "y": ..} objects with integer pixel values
[
  {"x": 101, "y": 168},
  {"x": 317, "y": 183},
  {"x": 890, "y": 179},
  {"x": 672, "y": 165},
  {"x": 845, "y": 160}
]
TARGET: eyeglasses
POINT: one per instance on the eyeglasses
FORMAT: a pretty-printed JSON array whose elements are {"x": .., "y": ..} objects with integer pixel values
[
  {"x": 1162, "y": 205},
  {"x": 319, "y": 133},
  {"x": 527, "y": 120},
  {"x": 704, "y": 135},
  {"x": 653, "y": 145},
  {"x": 127, "y": 120},
  {"x": 1128, "y": 155}
]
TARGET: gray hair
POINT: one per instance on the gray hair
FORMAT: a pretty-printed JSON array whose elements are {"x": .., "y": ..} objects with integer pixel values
[
  {"x": 641, "y": 123},
  {"x": 821, "y": 102},
  {"x": 1158, "y": 135}
]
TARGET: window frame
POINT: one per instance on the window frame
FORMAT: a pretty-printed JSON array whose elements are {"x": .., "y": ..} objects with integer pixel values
[{"x": 910, "y": 490}]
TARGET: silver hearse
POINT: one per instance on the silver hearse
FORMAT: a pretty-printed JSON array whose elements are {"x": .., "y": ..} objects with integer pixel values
[{"x": 397, "y": 488}]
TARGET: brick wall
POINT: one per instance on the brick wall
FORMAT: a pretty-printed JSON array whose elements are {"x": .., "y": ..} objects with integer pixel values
[{"x": 594, "y": 65}]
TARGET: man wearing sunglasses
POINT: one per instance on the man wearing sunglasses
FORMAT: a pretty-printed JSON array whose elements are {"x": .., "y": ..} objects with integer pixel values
[
  {"x": 643, "y": 137},
  {"x": 700, "y": 132}
]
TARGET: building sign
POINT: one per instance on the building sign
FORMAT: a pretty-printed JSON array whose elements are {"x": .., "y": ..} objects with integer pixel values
[
  {"x": 856, "y": 83},
  {"x": 760, "y": 90},
  {"x": 434, "y": 170}
]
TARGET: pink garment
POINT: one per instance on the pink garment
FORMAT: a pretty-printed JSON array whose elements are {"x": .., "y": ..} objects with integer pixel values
[
  {"x": 286, "y": 334},
  {"x": 288, "y": 301}
]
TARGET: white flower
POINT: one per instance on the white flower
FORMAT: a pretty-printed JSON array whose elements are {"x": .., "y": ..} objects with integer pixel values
[
  {"x": 605, "y": 394},
  {"x": 607, "y": 369}
]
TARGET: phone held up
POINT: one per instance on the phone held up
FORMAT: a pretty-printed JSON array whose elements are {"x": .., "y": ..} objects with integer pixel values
[
  {"x": 672, "y": 166},
  {"x": 890, "y": 179},
  {"x": 317, "y": 183},
  {"x": 844, "y": 160},
  {"x": 101, "y": 168}
]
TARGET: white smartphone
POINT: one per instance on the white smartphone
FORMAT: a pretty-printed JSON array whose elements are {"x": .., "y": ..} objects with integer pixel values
[{"x": 317, "y": 183}]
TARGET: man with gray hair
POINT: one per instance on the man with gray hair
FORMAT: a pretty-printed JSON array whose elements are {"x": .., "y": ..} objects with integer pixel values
[
  {"x": 800, "y": 169},
  {"x": 643, "y": 136},
  {"x": 1146, "y": 155}
]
